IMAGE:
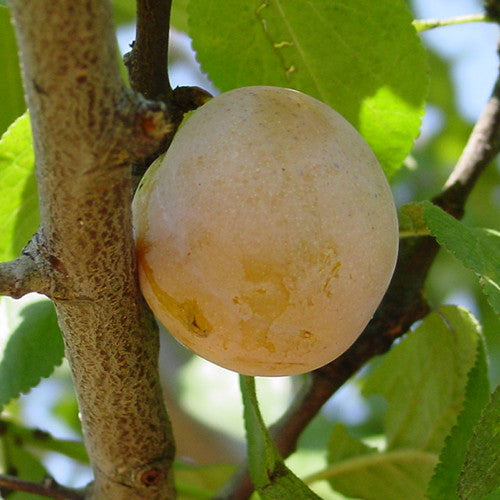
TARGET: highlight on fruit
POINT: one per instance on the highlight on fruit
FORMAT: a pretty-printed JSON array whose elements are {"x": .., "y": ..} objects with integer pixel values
[{"x": 267, "y": 235}]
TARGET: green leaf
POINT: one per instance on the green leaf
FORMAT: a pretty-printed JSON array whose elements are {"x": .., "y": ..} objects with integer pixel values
[
  {"x": 18, "y": 191},
  {"x": 360, "y": 471},
  {"x": 11, "y": 88},
  {"x": 423, "y": 379},
  {"x": 194, "y": 482},
  {"x": 478, "y": 249},
  {"x": 30, "y": 344},
  {"x": 411, "y": 220},
  {"x": 179, "y": 16},
  {"x": 342, "y": 446},
  {"x": 23, "y": 464},
  {"x": 262, "y": 454},
  {"x": 481, "y": 470},
  {"x": 124, "y": 11},
  {"x": 269, "y": 474},
  {"x": 66, "y": 409},
  {"x": 443, "y": 483},
  {"x": 43, "y": 441},
  {"x": 354, "y": 56}
]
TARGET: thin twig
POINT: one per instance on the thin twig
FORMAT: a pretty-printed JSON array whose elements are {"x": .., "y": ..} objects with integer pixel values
[
  {"x": 27, "y": 273},
  {"x": 19, "y": 277},
  {"x": 48, "y": 488},
  {"x": 147, "y": 62},
  {"x": 481, "y": 148}
]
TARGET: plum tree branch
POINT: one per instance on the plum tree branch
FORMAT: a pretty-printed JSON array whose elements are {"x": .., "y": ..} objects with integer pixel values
[
  {"x": 147, "y": 62},
  {"x": 403, "y": 304},
  {"x": 148, "y": 71},
  {"x": 30, "y": 272},
  {"x": 88, "y": 130},
  {"x": 19, "y": 277},
  {"x": 481, "y": 148},
  {"x": 48, "y": 488}
]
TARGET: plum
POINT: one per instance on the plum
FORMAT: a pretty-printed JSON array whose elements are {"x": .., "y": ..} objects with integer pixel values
[{"x": 267, "y": 235}]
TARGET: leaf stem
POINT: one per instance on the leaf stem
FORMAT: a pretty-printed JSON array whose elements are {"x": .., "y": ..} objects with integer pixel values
[{"x": 428, "y": 24}]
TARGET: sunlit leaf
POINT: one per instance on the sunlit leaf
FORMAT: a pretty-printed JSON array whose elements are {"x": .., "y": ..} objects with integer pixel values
[
  {"x": 178, "y": 16},
  {"x": 423, "y": 380},
  {"x": 11, "y": 88},
  {"x": 124, "y": 11},
  {"x": 355, "y": 56},
  {"x": 411, "y": 221},
  {"x": 19, "y": 208}
]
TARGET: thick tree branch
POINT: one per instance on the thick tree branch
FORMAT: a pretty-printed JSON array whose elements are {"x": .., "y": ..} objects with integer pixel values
[
  {"x": 402, "y": 305},
  {"x": 49, "y": 488},
  {"x": 88, "y": 128}
]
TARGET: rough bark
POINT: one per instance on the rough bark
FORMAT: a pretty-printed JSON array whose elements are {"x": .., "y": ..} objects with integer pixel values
[{"x": 88, "y": 129}]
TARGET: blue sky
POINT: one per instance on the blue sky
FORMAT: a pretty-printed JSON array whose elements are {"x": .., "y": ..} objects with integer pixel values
[{"x": 472, "y": 48}]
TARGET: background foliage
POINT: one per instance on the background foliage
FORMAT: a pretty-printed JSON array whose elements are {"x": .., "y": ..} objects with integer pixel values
[{"x": 420, "y": 405}]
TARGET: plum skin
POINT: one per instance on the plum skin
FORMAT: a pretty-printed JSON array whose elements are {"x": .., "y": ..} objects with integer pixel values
[{"x": 267, "y": 235}]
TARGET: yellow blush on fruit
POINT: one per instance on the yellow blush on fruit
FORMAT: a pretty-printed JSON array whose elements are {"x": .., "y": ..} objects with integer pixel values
[{"x": 267, "y": 235}]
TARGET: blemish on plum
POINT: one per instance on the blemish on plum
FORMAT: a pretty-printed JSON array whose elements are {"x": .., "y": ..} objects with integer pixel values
[{"x": 306, "y": 334}]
